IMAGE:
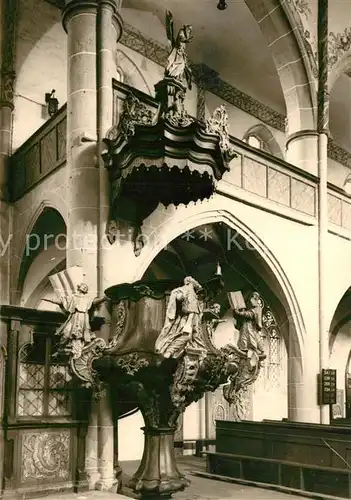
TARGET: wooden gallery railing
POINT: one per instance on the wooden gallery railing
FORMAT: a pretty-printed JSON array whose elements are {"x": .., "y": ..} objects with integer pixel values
[{"x": 39, "y": 156}]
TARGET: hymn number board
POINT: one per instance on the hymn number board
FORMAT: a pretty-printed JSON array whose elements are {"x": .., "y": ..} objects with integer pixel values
[{"x": 328, "y": 387}]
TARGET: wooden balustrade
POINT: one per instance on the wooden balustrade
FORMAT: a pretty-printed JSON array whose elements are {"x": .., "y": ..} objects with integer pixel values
[
  {"x": 269, "y": 177},
  {"x": 339, "y": 208},
  {"x": 39, "y": 156}
]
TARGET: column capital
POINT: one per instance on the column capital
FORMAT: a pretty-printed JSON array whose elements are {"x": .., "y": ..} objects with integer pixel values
[
  {"x": 6, "y": 104},
  {"x": 301, "y": 134},
  {"x": 118, "y": 24},
  {"x": 77, "y": 6}
]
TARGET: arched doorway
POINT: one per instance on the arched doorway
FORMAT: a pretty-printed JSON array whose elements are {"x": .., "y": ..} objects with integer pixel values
[{"x": 192, "y": 244}]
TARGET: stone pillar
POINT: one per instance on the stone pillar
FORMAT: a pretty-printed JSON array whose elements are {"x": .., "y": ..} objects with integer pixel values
[
  {"x": 302, "y": 394},
  {"x": 323, "y": 131},
  {"x": 91, "y": 447},
  {"x": 302, "y": 150},
  {"x": 302, "y": 371},
  {"x": 5, "y": 234},
  {"x": 8, "y": 14},
  {"x": 79, "y": 20},
  {"x": 93, "y": 28},
  {"x": 109, "y": 31}
]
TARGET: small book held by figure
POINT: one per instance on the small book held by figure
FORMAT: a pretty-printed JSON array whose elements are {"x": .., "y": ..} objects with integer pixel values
[{"x": 236, "y": 300}]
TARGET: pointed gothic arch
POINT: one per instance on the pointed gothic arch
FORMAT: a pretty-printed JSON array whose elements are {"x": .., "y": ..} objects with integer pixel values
[
  {"x": 281, "y": 31},
  {"x": 46, "y": 216},
  {"x": 168, "y": 232}
]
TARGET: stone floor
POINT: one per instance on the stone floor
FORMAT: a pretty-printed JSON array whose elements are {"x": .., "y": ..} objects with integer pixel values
[{"x": 200, "y": 488}]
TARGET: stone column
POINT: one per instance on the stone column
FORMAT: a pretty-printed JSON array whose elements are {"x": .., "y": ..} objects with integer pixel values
[
  {"x": 323, "y": 131},
  {"x": 302, "y": 394},
  {"x": 302, "y": 150},
  {"x": 5, "y": 232},
  {"x": 93, "y": 28},
  {"x": 8, "y": 14},
  {"x": 91, "y": 447},
  {"x": 79, "y": 21},
  {"x": 109, "y": 31}
]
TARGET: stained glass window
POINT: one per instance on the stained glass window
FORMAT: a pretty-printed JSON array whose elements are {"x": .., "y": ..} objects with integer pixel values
[{"x": 44, "y": 382}]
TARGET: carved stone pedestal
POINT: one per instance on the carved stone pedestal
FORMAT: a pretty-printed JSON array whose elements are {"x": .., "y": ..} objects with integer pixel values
[{"x": 158, "y": 475}]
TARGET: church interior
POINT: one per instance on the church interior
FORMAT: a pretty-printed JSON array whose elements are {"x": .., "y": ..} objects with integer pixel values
[{"x": 175, "y": 227}]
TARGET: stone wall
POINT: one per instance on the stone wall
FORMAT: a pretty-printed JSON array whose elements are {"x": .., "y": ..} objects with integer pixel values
[{"x": 40, "y": 66}]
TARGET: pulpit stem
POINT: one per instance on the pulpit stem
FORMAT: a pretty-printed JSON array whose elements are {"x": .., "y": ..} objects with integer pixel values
[{"x": 158, "y": 475}]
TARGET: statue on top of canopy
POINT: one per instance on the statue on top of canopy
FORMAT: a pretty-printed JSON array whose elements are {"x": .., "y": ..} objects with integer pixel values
[{"x": 177, "y": 62}]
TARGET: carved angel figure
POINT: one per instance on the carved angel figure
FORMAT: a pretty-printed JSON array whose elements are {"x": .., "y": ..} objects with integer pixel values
[
  {"x": 183, "y": 323},
  {"x": 177, "y": 63},
  {"x": 250, "y": 326},
  {"x": 75, "y": 332}
]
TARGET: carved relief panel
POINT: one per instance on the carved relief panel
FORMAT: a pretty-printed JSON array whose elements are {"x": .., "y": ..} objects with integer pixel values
[{"x": 45, "y": 456}]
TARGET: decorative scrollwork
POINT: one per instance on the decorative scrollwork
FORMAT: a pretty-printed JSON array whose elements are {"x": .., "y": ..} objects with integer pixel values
[
  {"x": 46, "y": 455},
  {"x": 120, "y": 313},
  {"x": 130, "y": 364},
  {"x": 82, "y": 366},
  {"x": 144, "y": 290},
  {"x": 242, "y": 372},
  {"x": 185, "y": 375},
  {"x": 339, "y": 43},
  {"x": 176, "y": 114},
  {"x": 218, "y": 125},
  {"x": 134, "y": 113}
]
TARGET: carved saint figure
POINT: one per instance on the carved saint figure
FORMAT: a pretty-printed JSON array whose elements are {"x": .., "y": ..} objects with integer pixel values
[
  {"x": 250, "y": 326},
  {"x": 183, "y": 323},
  {"x": 76, "y": 330},
  {"x": 177, "y": 63}
]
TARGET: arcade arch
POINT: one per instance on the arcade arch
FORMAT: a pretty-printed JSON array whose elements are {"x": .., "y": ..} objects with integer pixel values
[
  {"x": 44, "y": 251},
  {"x": 291, "y": 60},
  {"x": 200, "y": 244}
]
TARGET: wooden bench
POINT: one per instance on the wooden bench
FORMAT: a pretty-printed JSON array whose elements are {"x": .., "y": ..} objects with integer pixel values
[{"x": 292, "y": 476}]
